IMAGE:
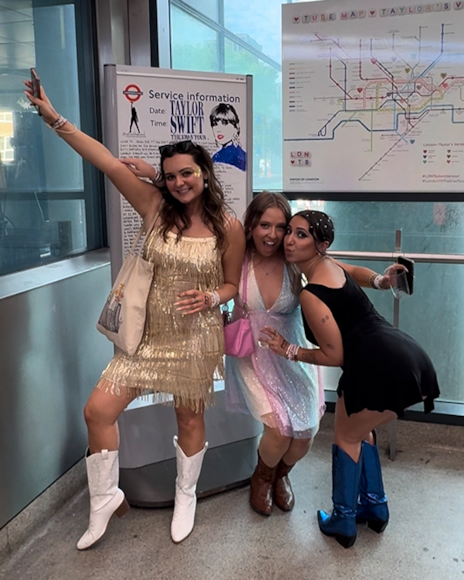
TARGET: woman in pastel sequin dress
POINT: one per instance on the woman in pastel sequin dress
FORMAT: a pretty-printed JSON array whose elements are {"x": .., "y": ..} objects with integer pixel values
[
  {"x": 197, "y": 250},
  {"x": 285, "y": 396}
]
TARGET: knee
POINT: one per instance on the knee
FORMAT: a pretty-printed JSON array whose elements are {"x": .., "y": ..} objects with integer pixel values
[
  {"x": 189, "y": 421},
  {"x": 301, "y": 446},
  {"x": 278, "y": 441},
  {"x": 348, "y": 438},
  {"x": 92, "y": 414}
]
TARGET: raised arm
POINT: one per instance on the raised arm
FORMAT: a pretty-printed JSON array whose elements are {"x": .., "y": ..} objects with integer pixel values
[{"x": 144, "y": 197}]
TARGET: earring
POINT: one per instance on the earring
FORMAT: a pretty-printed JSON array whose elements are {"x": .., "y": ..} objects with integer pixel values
[{"x": 205, "y": 184}]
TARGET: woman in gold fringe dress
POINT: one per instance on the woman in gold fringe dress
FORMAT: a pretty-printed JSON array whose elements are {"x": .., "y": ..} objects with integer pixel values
[{"x": 197, "y": 250}]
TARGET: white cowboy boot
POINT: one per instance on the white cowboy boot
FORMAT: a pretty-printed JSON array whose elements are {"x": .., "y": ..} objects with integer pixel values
[
  {"x": 106, "y": 498},
  {"x": 188, "y": 472}
]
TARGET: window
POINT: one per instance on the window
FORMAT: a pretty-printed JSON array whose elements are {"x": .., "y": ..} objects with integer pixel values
[
  {"x": 196, "y": 50},
  {"x": 242, "y": 37},
  {"x": 369, "y": 226},
  {"x": 49, "y": 206},
  {"x": 6, "y": 135}
]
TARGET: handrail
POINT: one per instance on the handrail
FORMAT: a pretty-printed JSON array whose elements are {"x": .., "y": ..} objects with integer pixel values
[{"x": 389, "y": 256}]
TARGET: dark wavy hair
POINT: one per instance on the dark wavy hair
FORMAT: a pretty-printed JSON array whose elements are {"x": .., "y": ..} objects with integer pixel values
[
  {"x": 321, "y": 226},
  {"x": 254, "y": 213},
  {"x": 173, "y": 212}
]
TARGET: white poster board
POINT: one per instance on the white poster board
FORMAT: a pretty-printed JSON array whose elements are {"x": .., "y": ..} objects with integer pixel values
[
  {"x": 149, "y": 107},
  {"x": 373, "y": 96}
]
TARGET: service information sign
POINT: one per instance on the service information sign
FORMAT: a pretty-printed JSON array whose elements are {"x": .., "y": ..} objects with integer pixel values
[
  {"x": 373, "y": 96},
  {"x": 156, "y": 106}
]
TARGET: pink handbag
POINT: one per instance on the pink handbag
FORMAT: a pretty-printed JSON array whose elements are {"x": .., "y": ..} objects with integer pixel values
[{"x": 237, "y": 335}]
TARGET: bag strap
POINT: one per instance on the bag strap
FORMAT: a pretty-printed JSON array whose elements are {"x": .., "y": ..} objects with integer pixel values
[
  {"x": 140, "y": 232},
  {"x": 245, "y": 281}
]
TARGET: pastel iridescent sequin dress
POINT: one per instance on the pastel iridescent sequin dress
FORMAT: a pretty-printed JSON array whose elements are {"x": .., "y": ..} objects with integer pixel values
[
  {"x": 280, "y": 393},
  {"x": 179, "y": 354}
]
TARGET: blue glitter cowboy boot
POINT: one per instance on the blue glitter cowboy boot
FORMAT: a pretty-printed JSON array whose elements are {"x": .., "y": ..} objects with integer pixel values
[
  {"x": 372, "y": 503},
  {"x": 346, "y": 475}
]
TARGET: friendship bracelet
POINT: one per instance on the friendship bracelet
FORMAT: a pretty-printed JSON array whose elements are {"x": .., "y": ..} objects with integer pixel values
[
  {"x": 215, "y": 299},
  {"x": 374, "y": 281},
  {"x": 59, "y": 122},
  {"x": 292, "y": 352},
  {"x": 74, "y": 130}
]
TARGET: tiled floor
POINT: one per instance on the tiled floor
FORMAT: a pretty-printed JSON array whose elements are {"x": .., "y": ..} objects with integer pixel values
[{"x": 424, "y": 540}]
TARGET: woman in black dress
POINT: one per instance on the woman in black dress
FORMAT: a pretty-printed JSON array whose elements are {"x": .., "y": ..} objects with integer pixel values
[{"x": 384, "y": 372}]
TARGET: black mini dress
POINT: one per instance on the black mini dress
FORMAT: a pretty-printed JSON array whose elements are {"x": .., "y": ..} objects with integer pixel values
[{"x": 384, "y": 368}]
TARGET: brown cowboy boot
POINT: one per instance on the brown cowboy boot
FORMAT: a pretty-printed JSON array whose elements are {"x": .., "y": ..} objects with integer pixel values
[
  {"x": 283, "y": 493},
  {"x": 261, "y": 484}
]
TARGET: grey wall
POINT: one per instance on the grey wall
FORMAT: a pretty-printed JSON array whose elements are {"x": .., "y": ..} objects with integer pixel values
[{"x": 50, "y": 358}]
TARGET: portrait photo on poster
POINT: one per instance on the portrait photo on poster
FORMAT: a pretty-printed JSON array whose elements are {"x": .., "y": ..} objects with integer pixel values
[{"x": 225, "y": 124}]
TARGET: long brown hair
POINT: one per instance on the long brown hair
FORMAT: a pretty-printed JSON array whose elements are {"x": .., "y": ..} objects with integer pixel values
[
  {"x": 173, "y": 212},
  {"x": 254, "y": 213}
]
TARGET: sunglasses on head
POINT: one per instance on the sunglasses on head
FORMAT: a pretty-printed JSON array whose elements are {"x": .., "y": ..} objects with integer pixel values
[{"x": 177, "y": 147}]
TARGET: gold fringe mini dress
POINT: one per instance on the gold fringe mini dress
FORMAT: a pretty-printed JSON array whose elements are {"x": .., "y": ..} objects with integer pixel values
[{"x": 180, "y": 354}]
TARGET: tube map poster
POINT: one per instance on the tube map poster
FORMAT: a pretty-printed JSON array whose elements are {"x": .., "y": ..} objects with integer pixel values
[{"x": 373, "y": 96}]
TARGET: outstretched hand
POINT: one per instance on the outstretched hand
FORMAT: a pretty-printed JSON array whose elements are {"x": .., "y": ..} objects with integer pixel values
[
  {"x": 46, "y": 108},
  {"x": 140, "y": 168},
  {"x": 390, "y": 274}
]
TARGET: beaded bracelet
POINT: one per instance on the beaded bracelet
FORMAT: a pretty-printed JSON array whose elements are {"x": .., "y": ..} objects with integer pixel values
[
  {"x": 374, "y": 281},
  {"x": 215, "y": 299},
  {"x": 292, "y": 352},
  {"x": 59, "y": 122},
  {"x": 73, "y": 130}
]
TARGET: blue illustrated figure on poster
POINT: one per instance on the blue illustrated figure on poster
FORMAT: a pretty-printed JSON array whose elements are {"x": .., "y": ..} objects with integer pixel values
[{"x": 226, "y": 130}]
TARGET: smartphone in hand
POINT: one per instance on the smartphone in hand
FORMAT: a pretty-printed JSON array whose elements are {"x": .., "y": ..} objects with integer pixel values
[
  {"x": 406, "y": 282},
  {"x": 35, "y": 79}
]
